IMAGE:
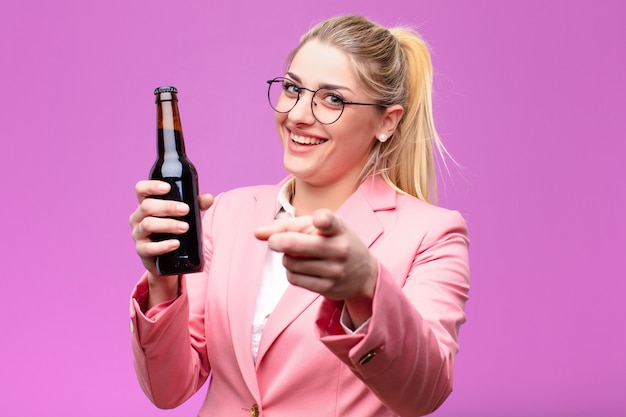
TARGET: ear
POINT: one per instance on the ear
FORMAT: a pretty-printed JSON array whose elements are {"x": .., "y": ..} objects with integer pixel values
[{"x": 391, "y": 118}]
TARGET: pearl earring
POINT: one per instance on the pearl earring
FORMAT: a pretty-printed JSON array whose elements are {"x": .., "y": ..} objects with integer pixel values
[{"x": 382, "y": 138}]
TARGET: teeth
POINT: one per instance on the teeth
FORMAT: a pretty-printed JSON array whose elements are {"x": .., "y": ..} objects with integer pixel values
[{"x": 305, "y": 140}]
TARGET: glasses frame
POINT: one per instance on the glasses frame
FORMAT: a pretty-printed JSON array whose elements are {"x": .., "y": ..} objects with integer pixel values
[{"x": 313, "y": 104}]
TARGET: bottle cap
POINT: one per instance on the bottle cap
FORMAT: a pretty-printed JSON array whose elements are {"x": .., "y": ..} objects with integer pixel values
[{"x": 165, "y": 89}]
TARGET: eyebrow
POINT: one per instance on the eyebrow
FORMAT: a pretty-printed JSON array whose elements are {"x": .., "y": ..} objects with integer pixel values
[{"x": 326, "y": 86}]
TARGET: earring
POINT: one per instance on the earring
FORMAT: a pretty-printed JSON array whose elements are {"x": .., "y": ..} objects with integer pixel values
[{"x": 382, "y": 138}]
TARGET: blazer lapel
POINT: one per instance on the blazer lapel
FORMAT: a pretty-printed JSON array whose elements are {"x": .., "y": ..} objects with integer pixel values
[
  {"x": 245, "y": 279},
  {"x": 292, "y": 303},
  {"x": 359, "y": 211}
]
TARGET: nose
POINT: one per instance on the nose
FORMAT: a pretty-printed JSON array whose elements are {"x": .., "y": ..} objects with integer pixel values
[{"x": 302, "y": 112}]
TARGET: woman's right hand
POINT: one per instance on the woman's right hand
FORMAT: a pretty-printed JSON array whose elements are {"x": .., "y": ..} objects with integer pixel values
[{"x": 151, "y": 216}]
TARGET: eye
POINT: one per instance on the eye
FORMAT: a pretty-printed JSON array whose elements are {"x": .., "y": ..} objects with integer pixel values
[
  {"x": 291, "y": 89},
  {"x": 331, "y": 98}
]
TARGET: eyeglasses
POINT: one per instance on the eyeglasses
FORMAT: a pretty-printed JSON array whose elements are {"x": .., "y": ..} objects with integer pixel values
[{"x": 326, "y": 104}]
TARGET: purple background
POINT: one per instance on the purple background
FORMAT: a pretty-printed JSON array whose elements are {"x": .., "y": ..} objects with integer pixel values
[{"x": 529, "y": 99}]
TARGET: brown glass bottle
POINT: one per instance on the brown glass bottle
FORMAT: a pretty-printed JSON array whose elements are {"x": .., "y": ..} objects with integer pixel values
[{"x": 173, "y": 167}]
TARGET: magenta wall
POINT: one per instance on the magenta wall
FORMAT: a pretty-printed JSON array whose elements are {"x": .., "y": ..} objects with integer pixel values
[{"x": 530, "y": 100}]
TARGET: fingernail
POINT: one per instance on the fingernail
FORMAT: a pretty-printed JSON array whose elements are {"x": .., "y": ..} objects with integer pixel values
[
  {"x": 181, "y": 208},
  {"x": 162, "y": 186}
]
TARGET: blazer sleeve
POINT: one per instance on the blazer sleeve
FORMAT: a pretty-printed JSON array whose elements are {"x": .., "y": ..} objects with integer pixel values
[
  {"x": 168, "y": 344},
  {"x": 169, "y": 340},
  {"x": 406, "y": 354}
]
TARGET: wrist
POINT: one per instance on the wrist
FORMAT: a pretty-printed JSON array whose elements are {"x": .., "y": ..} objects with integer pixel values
[
  {"x": 162, "y": 288},
  {"x": 359, "y": 310},
  {"x": 359, "y": 307}
]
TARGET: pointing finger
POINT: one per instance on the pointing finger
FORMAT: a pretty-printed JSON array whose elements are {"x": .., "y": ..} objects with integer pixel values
[{"x": 295, "y": 224}]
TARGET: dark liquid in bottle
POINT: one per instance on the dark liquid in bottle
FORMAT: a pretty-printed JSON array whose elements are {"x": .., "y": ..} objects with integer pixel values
[{"x": 180, "y": 173}]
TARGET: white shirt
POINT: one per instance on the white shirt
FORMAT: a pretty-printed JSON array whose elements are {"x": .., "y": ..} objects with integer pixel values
[{"x": 274, "y": 279}]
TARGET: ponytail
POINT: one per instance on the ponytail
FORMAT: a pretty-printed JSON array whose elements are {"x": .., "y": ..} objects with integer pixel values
[{"x": 413, "y": 170}]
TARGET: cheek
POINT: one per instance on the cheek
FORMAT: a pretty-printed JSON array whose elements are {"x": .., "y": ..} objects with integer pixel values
[
  {"x": 279, "y": 118},
  {"x": 358, "y": 137}
]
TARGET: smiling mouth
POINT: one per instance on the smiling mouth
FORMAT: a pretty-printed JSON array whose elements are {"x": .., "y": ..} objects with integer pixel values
[{"x": 304, "y": 140}]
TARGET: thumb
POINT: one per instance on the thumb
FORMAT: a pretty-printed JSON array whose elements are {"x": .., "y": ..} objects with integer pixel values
[
  {"x": 326, "y": 222},
  {"x": 206, "y": 201}
]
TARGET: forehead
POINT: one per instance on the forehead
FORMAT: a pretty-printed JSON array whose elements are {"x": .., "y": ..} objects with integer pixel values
[{"x": 318, "y": 63}]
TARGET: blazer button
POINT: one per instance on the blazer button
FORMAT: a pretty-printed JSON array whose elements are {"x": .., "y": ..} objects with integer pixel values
[
  {"x": 254, "y": 410},
  {"x": 367, "y": 357}
]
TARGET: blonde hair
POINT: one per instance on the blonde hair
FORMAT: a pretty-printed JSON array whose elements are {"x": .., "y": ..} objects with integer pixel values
[{"x": 395, "y": 67}]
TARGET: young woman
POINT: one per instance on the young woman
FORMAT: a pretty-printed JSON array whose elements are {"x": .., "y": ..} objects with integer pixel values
[{"x": 337, "y": 292}]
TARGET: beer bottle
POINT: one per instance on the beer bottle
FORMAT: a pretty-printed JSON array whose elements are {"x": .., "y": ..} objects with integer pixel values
[{"x": 173, "y": 167}]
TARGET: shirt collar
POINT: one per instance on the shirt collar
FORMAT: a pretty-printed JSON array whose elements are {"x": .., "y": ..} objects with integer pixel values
[{"x": 284, "y": 198}]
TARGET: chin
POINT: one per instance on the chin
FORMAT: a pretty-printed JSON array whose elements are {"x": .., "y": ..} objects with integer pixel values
[{"x": 296, "y": 169}]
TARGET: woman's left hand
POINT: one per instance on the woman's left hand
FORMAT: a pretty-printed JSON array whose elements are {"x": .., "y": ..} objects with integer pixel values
[{"x": 322, "y": 255}]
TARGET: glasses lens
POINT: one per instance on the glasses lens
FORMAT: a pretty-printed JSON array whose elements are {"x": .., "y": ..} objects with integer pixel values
[
  {"x": 282, "y": 94},
  {"x": 327, "y": 106}
]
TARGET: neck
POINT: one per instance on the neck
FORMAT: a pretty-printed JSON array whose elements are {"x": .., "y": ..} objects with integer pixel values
[{"x": 309, "y": 197}]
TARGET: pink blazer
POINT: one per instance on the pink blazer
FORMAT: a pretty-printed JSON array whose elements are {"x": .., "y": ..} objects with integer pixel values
[{"x": 306, "y": 364}]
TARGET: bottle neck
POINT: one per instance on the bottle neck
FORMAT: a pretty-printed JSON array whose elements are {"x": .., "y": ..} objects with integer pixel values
[
  {"x": 170, "y": 142},
  {"x": 170, "y": 139}
]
